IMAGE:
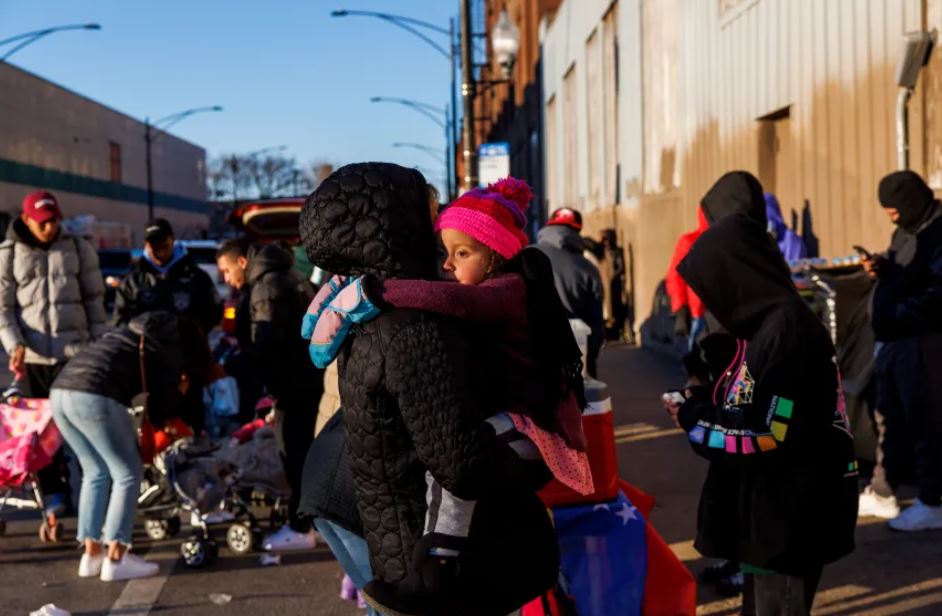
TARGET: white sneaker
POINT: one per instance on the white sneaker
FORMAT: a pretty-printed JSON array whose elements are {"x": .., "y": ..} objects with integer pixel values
[
  {"x": 918, "y": 516},
  {"x": 876, "y": 506},
  {"x": 128, "y": 568},
  {"x": 90, "y": 566},
  {"x": 287, "y": 540}
]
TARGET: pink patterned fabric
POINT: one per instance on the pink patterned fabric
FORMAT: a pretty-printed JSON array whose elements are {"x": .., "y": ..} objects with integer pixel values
[
  {"x": 481, "y": 227},
  {"x": 569, "y": 466},
  {"x": 28, "y": 439}
]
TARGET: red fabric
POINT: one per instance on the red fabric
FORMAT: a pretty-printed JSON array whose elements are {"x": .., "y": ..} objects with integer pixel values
[
  {"x": 41, "y": 206},
  {"x": 173, "y": 430},
  {"x": 547, "y": 605},
  {"x": 643, "y": 501},
  {"x": 681, "y": 295},
  {"x": 669, "y": 589}
]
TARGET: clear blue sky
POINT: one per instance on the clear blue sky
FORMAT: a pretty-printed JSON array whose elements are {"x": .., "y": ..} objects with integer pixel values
[{"x": 284, "y": 70}]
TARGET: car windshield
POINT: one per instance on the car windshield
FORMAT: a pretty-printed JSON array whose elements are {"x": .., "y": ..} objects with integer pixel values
[
  {"x": 203, "y": 254},
  {"x": 114, "y": 259}
]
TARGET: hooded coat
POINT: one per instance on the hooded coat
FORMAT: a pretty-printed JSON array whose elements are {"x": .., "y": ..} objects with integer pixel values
[
  {"x": 111, "y": 366},
  {"x": 51, "y": 296},
  {"x": 789, "y": 243},
  {"x": 774, "y": 429},
  {"x": 180, "y": 287},
  {"x": 273, "y": 302},
  {"x": 907, "y": 301},
  {"x": 409, "y": 402},
  {"x": 677, "y": 289},
  {"x": 737, "y": 192}
]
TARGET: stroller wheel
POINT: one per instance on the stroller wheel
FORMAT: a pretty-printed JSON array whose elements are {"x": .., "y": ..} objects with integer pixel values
[
  {"x": 158, "y": 530},
  {"x": 240, "y": 538},
  {"x": 198, "y": 552}
]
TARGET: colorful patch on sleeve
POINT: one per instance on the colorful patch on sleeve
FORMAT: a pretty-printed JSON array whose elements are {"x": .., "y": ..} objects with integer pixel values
[
  {"x": 731, "y": 446},
  {"x": 717, "y": 440},
  {"x": 747, "y": 446},
  {"x": 740, "y": 392},
  {"x": 778, "y": 430},
  {"x": 784, "y": 408},
  {"x": 766, "y": 443},
  {"x": 697, "y": 434}
]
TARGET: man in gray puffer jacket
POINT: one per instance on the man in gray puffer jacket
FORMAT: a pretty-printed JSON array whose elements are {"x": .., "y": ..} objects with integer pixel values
[{"x": 51, "y": 294}]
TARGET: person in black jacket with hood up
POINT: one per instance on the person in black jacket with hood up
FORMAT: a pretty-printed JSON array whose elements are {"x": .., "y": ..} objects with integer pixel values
[
  {"x": 907, "y": 321},
  {"x": 273, "y": 300},
  {"x": 410, "y": 406},
  {"x": 781, "y": 493}
]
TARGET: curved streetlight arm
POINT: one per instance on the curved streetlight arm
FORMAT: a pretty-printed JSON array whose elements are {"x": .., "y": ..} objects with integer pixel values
[
  {"x": 412, "y": 105},
  {"x": 407, "y": 101},
  {"x": 435, "y": 152},
  {"x": 406, "y": 23},
  {"x": 168, "y": 121},
  {"x": 29, "y": 38}
]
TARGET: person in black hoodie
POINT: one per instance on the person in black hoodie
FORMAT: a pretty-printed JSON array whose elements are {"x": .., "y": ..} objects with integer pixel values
[
  {"x": 736, "y": 192},
  {"x": 153, "y": 354},
  {"x": 907, "y": 320},
  {"x": 273, "y": 300},
  {"x": 781, "y": 492}
]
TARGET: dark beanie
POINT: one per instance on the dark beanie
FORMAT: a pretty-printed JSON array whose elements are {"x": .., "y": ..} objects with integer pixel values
[{"x": 906, "y": 192}]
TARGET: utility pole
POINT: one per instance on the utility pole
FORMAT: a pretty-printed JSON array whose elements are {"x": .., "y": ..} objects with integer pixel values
[
  {"x": 467, "y": 93},
  {"x": 453, "y": 176},
  {"x": 148, "y": 140}
]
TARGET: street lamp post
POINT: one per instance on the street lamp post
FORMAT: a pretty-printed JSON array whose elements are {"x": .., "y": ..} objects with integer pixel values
[
  {"x": 28, "y": 38},
  {"x": 409, "y": 24},
  {"x": 149, "y": 137}
]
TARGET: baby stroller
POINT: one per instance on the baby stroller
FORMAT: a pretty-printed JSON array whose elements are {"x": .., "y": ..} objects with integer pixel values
[
  {"x": 28, "y": 441},
  {"x": 189, "y": 478}
]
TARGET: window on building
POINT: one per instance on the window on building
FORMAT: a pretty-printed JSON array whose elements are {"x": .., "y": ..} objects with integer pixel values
[
  {"x": 114, "y": 159},
  {"x": 594, "y": 110},
  {"x": 610, "y": 106},
  {"x": 570, "y": 175}
]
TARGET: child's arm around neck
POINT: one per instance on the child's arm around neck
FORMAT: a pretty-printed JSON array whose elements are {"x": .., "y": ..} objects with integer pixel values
[{"x": 501, "y": 298}]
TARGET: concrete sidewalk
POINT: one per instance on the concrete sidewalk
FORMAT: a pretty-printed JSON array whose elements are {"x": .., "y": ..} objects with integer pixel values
[{"x": 889, "y": 573}]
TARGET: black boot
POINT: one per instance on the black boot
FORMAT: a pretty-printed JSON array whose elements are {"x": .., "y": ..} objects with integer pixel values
[{"x": 430, "y": 588}]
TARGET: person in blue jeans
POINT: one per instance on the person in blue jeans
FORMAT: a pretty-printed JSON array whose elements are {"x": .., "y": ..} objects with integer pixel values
[{"x": 154, "y": 354}]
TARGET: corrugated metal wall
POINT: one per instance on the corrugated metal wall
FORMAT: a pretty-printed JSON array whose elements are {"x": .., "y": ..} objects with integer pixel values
[{"x": 830, "y": 63}]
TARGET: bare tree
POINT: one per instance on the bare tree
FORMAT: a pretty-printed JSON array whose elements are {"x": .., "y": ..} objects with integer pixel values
[{"x": 233, "y": 177}]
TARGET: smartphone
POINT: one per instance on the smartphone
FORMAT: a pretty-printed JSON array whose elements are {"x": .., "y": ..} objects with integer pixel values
[
  {"x": 863, "y": 252},
  {"x": 674, "y": 397}
]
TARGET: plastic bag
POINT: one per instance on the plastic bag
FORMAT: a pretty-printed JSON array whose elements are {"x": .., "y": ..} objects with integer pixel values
[{"x": 221, "y": 397}]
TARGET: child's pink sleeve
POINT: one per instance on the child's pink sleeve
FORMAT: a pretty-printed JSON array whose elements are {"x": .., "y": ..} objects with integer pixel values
[{"x": 498, "y": 299}]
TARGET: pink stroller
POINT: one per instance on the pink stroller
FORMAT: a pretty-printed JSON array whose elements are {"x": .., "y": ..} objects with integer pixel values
[{"x": 28, "y": 440}]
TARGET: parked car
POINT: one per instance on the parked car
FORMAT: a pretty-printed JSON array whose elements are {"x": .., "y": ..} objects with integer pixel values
[
  {"x": 269, "y": 220},
  {"x": 204, "y": 253}
]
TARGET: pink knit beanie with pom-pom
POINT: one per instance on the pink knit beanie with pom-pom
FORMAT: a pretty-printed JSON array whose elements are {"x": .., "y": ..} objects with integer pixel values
[{"x": 494, "y": 216}]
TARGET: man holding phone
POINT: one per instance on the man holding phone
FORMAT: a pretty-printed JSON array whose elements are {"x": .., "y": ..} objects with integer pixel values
[{"x": 907, "y": 321}]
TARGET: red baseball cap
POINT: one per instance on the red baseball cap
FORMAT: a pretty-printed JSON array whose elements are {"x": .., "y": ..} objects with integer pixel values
[
  {"x": 566, "y": 217},
  {"x": 41, "y": 206}
]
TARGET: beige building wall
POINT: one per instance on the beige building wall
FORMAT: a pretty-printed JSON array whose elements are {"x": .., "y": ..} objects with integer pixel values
[
  {"x": 54, "y": 139},
  {"x": 799, "y": 92}
]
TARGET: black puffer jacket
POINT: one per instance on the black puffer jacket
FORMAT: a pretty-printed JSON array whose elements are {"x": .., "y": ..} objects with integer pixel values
[
  {"x": 268, "y": 325},
  {"x": 183, "y": 289},
  {"x": 111, "y": 366},
  {"x": 408, "y": 401}
]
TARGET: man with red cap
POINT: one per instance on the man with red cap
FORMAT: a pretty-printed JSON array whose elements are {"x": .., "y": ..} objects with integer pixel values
[
  {"x": 51, "y": 295},
  {"x": 578, "y": 282}
]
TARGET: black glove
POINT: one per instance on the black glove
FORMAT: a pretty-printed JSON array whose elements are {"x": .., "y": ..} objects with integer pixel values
[{"x": 682, "y": 322}]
